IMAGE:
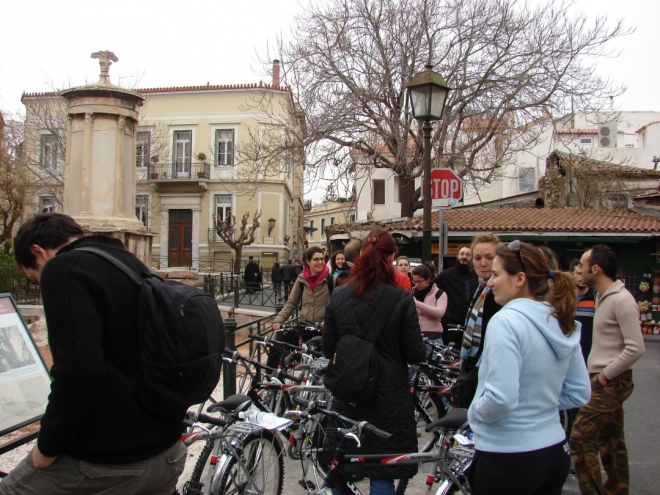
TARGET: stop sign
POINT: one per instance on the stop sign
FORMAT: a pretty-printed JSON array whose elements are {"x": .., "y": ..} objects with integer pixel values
[{"x": 446, "y": 188}]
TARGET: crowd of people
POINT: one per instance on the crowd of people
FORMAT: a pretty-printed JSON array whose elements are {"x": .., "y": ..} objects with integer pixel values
[
  {"x": 532, "y": 343},
  {"x": 533, "y": 340}
]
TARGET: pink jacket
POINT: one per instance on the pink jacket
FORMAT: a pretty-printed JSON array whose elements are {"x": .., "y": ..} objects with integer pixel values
[{"x": 430, "y": 312}]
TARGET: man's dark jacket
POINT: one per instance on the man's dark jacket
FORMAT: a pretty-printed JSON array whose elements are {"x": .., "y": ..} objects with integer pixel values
[
  {"x": 400, "y": 342},
  {"x": 289, "y": 272},
  {"x": 460, "y": 283},
  {"x": 92, "y": 312}
]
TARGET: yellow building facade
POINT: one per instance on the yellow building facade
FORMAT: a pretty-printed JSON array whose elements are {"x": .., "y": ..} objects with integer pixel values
[{"x": 202, "y": 153}]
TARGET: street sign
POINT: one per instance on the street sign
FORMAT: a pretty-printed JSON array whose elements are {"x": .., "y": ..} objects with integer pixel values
[{"x": 446, "y": 188}]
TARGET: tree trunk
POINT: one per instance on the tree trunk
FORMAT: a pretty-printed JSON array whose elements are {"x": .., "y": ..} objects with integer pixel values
[{"x": 407, "y": 197}]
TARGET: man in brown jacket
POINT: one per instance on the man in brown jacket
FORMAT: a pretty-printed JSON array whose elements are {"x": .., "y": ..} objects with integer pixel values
[{"x": 617, "y": 344}]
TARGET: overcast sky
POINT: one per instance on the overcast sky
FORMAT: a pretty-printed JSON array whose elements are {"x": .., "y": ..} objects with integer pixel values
[{"x": 47, "y": 44}]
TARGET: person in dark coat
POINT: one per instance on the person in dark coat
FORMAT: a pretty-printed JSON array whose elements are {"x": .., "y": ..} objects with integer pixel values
[
  {"x": 459, "y": 282},
  {"x": 399, "y": 343},
  {"x": 288, "y": 275},
  {"x": 252, "y": 276},
  {"x": 276, "y": 279}
]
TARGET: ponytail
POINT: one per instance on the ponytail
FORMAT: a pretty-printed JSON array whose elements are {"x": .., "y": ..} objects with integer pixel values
[{"x": 564, "y": 301}]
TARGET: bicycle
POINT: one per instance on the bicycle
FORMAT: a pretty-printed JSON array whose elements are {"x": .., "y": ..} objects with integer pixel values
[
  {"x": 449, "y": 463},
  {"x": 239, "y": 457}
]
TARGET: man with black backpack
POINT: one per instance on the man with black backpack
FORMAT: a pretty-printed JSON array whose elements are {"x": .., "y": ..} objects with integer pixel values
[{"x": 95, "y": 436}]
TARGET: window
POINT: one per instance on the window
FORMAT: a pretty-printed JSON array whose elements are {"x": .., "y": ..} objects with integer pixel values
[
  {"x": 351, "y": 217},
  {"x": 142, "y": 208},
  {"x": 182, "y": 151},
  {"x": 48, "y": 157},
  {"x": 224, "y": 146},
  {"x": 332, "y": 220},
  {"x": 322, "y": 227},
  {"x": 311, "y": 229},
  {"x": 526, "y": 179},
  {"x": 397, "y": 189},
  {"x": 223, "y": 208},
  {"x": 142, "y": 149},
  {"x": 585, "y": 140},
  {"x": 379, "y": 191},
  {"x": 46, "y": 204}
]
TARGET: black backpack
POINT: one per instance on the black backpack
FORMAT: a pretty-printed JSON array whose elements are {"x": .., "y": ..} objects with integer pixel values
[
  {"x": 181, "y": 340},
  {"x": 352, "y": 373}
]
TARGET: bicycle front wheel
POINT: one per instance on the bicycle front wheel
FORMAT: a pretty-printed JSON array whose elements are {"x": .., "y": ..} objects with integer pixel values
[{"x": 259, "y": 470}]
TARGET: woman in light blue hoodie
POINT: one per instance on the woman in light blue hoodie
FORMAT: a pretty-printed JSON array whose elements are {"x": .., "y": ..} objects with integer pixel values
[{"x": 531, "y": 367}]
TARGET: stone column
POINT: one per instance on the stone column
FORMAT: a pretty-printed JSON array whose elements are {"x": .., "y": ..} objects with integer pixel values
[{"x": 99, "y": 186}]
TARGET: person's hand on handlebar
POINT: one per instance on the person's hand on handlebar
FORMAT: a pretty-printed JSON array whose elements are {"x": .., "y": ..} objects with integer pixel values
[{"x": 277, "y": 326}]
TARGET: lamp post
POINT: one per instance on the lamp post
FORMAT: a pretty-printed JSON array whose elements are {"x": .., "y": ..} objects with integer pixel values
[
  {"x": 427, "y": 92},
  {"x": 271, "y": 225}
]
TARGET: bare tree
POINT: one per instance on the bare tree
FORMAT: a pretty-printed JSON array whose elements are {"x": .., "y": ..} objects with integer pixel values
[
  {"x": 14, "y": 184},
  {"x": 226, "y": 229},
  {"x": 509, "y": 62}
]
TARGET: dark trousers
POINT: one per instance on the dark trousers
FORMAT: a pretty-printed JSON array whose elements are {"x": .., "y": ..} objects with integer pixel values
[
  {"x": 598, "y": 428},
  {"x": 287, "y": 288},
  {"x": 538, "y": 472}
]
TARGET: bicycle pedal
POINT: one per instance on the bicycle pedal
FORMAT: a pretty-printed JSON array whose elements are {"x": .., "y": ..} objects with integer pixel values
[{"x": 307, "y": 485}]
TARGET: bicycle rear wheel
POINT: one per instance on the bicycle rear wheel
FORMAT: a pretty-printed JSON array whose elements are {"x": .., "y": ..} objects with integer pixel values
[{"x": 260, "y": 470}]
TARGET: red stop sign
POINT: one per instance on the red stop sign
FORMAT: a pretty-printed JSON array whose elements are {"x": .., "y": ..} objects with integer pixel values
[{"x": 446, "y": 187}]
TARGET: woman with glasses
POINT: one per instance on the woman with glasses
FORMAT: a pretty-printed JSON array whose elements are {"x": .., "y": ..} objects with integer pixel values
[
  {"x": 313, "y": 288},
  {"x": 531, "y": 366},
  {"x": 431, "y": 302}
]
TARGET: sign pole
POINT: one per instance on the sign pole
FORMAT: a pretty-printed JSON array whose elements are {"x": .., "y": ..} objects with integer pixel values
[{"x": 441, "y": 240}]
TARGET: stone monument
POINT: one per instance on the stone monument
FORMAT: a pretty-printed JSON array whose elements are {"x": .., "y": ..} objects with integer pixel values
[{"x": 99, "y": 185}]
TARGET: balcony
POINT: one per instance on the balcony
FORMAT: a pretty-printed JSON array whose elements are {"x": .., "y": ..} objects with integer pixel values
[
  {"x": 214, "y": 238},
  {"x": 173, "y": 172}
]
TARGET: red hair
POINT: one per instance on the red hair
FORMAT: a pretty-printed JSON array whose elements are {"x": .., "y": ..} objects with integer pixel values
[{"x": 374, "y": 263}]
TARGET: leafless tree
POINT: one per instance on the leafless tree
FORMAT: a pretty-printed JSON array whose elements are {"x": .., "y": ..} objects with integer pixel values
[
  {"x": 14, "y": 184},
  {"x": 510, "y": 63},
  {"x": 226, "y": 229}
]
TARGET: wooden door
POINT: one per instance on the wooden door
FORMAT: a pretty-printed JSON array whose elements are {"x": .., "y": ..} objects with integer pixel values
[{"x": 180, "y": 240}]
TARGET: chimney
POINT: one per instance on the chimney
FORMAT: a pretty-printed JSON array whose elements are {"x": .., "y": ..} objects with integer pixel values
[{"x": 276, "y": 73}]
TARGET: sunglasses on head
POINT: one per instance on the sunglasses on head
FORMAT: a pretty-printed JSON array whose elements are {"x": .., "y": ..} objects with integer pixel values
[{"x": 515, "y": 247}]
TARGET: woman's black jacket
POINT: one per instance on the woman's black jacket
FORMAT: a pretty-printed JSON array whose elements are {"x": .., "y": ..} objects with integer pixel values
[{"x": 399, "y": 343}]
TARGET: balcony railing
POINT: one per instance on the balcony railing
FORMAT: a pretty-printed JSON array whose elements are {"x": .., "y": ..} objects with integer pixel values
[
  {"x": 174, "y": 172},
  {"x": 214, "y": 238}
]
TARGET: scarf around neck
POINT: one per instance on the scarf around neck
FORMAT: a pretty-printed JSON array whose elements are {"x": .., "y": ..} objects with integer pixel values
[
  {"x": 420, "y": 295},
  {"x": 474, "y": 323},
  {"x": 314, "y": 279}
]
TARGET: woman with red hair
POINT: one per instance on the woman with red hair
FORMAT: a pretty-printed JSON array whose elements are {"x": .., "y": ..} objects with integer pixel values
[{"x": 399, "y": 343}]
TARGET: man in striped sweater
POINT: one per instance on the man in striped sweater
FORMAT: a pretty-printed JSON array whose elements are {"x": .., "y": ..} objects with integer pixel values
[{"x": 617, "y": 345}]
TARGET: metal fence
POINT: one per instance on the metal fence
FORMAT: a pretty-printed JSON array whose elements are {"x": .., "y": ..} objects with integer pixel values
[{"x": 14, "y": 281}]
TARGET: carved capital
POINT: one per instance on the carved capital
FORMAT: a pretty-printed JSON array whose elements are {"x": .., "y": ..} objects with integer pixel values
[
  {"x": 121, "y": 123},
  {"x": 105, "y": 61},
  {"x": 89, "y": 119}
]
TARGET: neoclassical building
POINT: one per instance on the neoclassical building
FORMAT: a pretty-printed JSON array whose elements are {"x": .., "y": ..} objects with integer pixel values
[{"x": 201, "y": 153}]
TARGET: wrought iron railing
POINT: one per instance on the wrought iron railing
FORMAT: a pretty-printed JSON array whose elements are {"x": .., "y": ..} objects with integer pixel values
[
  {"x": 174, "y": 171},
  {"x": 14, "y": 281}
]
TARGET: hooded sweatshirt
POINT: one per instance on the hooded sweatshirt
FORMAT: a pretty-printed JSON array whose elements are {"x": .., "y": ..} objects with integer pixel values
[{"x": 529, "y": 371}]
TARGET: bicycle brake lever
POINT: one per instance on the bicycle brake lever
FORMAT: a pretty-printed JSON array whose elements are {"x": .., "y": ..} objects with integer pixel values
[{"x": 354, "y": 437}]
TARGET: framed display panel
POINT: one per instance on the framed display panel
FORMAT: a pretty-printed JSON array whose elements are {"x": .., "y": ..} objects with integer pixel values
[{"x": 24, "y": 377}]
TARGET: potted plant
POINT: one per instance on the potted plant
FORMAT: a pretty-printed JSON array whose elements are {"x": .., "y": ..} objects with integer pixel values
[
  {"x": 154, "y": 159},
  {"x": 202, "y": 158}
]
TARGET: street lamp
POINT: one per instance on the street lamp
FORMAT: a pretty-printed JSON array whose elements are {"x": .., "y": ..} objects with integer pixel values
[
  {"x": 271, "y": 225},
  {"x": 427, "y": 92}
]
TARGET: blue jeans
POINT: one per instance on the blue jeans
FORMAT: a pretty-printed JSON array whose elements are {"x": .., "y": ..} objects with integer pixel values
[{"x": 376, "y": 487}]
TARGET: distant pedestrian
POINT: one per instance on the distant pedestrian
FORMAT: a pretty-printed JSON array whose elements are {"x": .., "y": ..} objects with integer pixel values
[
  {"x": 288, "y": 276},
  {"x": 276, "y": 278},
  {"x": 459, "y": 282},
  {"x": 298, "y": 265},
  {"x": 617, "y": 344},
  {"x": 252, "y": 276}
]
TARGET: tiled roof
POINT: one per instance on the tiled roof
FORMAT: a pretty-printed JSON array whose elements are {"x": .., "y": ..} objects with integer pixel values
[
  {"x": 578, "y": 131},
  {"x": 532, "y": 220},
  {"x": 643, "y": 128},
  {"x": 181, "y": 89},
  {"x": 590, "y": 165}
]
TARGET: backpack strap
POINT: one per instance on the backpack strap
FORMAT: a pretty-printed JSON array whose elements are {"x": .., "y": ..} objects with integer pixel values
[
  {"x": 439, "y": 293},
  {"x": 119, "y": 264},
  {"x": 375, "y": 325},
  {"x": 331, "y": 282}
]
